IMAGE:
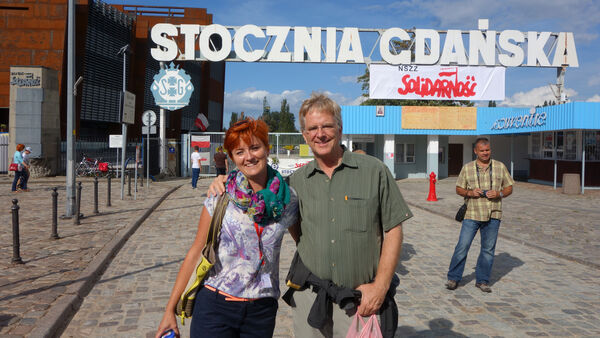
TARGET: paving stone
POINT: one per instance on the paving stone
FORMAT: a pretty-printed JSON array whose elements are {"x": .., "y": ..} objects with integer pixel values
[{"x": 528, "y": 298}]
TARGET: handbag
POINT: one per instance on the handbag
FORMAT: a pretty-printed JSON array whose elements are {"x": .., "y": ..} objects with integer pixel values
[
  {"x": 13, "y": 167},
  {"x": 185, "y": 305},
  {"x": 460, "y": 214},
  {"x": 360, "y": 329}
]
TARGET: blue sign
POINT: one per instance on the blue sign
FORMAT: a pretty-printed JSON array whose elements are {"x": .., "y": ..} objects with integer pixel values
[
  {"x": 172, "y": 150},
  {"x": 172, "y": 88}
]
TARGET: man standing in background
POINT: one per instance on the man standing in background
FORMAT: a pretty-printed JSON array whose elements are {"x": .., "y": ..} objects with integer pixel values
[
  {"x": 195, "y": 166},
  {"x": 221, "y": 162},
  {"x": 483, "y": 183}
]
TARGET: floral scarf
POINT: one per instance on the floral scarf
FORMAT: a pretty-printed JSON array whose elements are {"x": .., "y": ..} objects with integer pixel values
[{"x": 263, "y": 206}]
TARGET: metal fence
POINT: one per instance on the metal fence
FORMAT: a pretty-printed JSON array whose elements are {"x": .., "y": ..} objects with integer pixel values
[
  {"x": 98, "y": 148},
  {"x": 5, "y": 157},
  {"x": 283, "y": 146}
]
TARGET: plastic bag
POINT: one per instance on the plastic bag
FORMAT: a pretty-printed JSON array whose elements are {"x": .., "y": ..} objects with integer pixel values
[{"x": 360, "y": 329}]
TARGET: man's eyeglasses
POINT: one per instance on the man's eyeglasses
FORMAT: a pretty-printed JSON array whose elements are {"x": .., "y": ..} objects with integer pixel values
[{"x": 326, "y": 129}]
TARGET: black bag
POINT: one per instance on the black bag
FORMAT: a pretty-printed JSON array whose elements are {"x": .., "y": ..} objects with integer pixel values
[{"x": 460, "y": 214}]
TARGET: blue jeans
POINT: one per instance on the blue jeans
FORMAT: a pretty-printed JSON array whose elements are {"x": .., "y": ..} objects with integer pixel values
[
  {"x": 213, "y": 316},
  {"x": 18, "y": 174},
  {"x": 489, "y": 234},
  {"x": 195, "y": 174}
]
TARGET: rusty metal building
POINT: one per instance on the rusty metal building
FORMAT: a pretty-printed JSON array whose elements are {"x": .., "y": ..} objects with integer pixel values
[{"x": 34, "y": 33}]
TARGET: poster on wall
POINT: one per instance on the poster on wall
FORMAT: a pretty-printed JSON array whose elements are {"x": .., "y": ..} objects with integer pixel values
[{"x": 436, "y": 82}]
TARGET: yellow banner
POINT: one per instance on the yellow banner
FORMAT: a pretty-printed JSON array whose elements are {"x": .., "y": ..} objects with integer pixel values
[{"x": 424, "y": 117}]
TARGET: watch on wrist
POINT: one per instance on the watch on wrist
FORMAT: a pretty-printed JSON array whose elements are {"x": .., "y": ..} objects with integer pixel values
[{"x": 501, "y": 195}]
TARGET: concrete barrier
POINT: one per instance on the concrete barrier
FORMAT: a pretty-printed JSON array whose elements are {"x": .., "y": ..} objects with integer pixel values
[{"x": 571, "y": 184}]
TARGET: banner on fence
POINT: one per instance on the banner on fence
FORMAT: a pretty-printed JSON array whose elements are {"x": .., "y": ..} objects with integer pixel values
[
  {"x": 436, "y": 82},
  {"x": 201, "y": 141}
]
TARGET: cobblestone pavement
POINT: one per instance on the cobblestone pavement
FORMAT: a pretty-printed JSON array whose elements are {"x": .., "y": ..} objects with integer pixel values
[
  {"x": 535, "y": 293},
  {"x": 30, "y": 292},
  {"x": 536, "y": 215}
]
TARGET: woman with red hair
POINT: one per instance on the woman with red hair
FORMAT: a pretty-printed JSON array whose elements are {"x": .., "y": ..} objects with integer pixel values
[{"x": 239, "y": 295}]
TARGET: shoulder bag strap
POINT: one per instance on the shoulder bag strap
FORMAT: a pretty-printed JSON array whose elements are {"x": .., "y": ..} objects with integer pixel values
[{"x": 217, "y": 220}]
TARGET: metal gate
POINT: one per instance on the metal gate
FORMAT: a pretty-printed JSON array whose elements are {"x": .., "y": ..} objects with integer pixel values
[{"x": 284, "y": 147}]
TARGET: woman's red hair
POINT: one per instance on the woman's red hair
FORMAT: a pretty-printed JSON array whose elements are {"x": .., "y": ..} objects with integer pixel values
[
  {"x": 20, "y": 147},
  {"x": 244, "y": 130}
]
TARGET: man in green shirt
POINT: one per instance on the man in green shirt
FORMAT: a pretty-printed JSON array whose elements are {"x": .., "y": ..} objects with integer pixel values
[
  {"x": 484, "y": 183},
  {"x": 351, "y": 219},
  {"x": 351, "y": 213}
]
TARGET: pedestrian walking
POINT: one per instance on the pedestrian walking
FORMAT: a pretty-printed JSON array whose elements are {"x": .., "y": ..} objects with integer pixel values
[
  {"x": 239, "y": 295},
  {"x": 26, "y": 167},
  {"x": 18, "y": 160},
  {"x": 195, "y": 158},
  {"x": 483, "y": 183}
]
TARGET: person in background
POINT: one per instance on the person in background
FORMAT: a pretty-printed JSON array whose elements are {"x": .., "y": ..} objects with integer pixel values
[
  {"x": 25, "y": 177},
  {"x": 483, "y": 183},
  {"x": 350, "y": 233},
  {"x": 239, "y": 295},
  {"x": 221, "y": 162},
  {"x": 195, "y": 158},
  {"x": 18, "y": 159}
]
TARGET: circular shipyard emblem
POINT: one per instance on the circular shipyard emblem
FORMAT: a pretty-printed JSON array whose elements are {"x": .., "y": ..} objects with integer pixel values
[{"x": 172, "y": 88}]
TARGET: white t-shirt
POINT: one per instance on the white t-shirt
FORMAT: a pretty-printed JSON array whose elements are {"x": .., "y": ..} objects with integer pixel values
[{"x": 195, "y": 160}]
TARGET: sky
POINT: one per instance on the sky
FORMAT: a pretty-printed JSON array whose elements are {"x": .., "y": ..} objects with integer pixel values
[{"x": 247, "y": 83}]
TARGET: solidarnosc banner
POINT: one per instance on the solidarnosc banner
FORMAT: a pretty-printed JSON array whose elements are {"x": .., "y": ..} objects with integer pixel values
[{"x": 436, "y": 82}]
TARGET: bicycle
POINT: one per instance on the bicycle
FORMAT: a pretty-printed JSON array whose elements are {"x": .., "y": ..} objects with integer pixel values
[{"x": 93, "y": 167}]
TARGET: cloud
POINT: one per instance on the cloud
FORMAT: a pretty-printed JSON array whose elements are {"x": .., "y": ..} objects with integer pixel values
[
  {"x": 348, "y": 79},
  {"x": 595, "y": 98},
  {"x": 534, "y": 97}
]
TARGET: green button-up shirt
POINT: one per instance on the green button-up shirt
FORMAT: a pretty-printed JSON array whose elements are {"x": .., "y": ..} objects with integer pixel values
[
  {"x": 343, "y": 218},
  {"x": 482, "y": 209}
]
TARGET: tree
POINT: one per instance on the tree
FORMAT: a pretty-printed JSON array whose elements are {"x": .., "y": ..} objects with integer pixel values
[
  {"x": 279, "y": 121},
  {"x": 492, "y": 104},
  {"x": 234, "y": 119},
  {"x": 287, "y": 121}
]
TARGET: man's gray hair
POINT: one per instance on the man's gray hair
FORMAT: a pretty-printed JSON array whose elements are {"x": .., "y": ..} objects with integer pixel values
[{"x": 322, "y": 102}]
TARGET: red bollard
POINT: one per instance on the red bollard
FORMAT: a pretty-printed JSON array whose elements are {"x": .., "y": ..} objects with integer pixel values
[{"x": 432, "y": 180}]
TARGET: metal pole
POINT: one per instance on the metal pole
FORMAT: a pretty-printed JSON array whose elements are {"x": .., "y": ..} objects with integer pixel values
[
  {"x": 512, "y": 163},
  {"x": 162, "y": 135},
  {"x": 148, "y": 155},
  {"x": 135, "y": 181},
  {"x": 108, "y": 191},
  {"x": 128, "y": 182},
  {"x": 76, "y": 220},
  {"x": 70, "y": 205},
  {"x": 124, "y": 125},
  {"x": 583, "y": 163},
  {"x": 96, "y": 195},
  {"x": 54, "y": 214},
  {"x": 555, "y": 168},
  {"x": 15, "y": 228},
  {"x": 277, "y": 145}
]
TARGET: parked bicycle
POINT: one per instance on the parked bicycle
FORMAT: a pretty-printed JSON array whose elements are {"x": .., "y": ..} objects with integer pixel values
[{"x": 93, "y": 167}]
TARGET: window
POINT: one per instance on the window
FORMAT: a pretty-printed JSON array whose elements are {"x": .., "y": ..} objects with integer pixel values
[
  {"x": 591, "y": 141},
  {"x": 405, "y": 153},
  {"x": 560, "y": 145},
  {"x": 548, "y": 144},
  {"x": 570, "y": 145},
  {"x": 535, "y": 145}
]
